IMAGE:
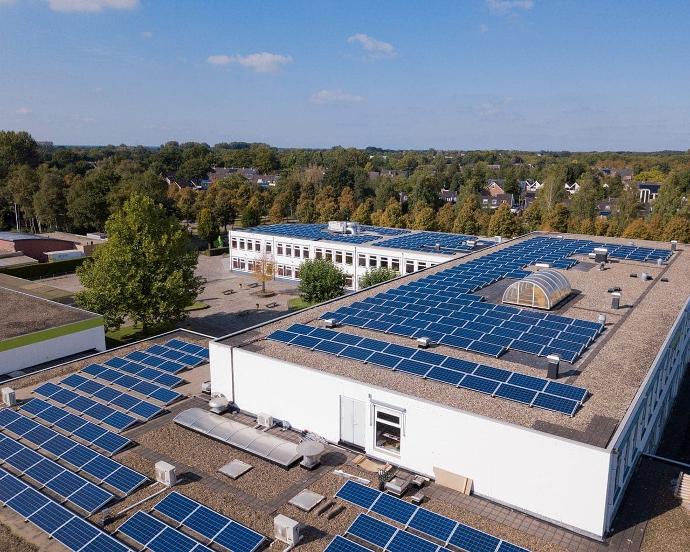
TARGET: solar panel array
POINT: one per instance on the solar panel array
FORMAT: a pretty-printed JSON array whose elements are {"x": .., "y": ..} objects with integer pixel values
[
  {"x": 434, "y": 241},
  {"x": 75, "y": 426},
  {"x": 431, "y": 524},
  {"x": 164, "y": 395},
  {"x": 498, "y": 382},
  {"x": 59, "y": 523},
  {"x": 389, "y": 538},
  {"x": 341, "y": 544},
  {"x": 315, "y": 232},
  {"x": 211, "y": 525},
  {"x": 154, "y": 375},
  {"x": 154, "y": 535},
  {"x": 466, "y": 323},
  {"x": 47, "y": 473},
  {"x": 102, "y": 469},
  {"x": 98, "y": 411}
]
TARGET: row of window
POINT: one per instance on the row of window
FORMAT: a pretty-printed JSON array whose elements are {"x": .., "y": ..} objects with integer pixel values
[{"x": 251, "y": 245}]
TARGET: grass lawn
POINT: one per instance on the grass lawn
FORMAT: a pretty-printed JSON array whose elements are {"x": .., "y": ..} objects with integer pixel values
[
  {"x": 198, "y": 305},
  {"x": 129, "y": 334},
  {"x": 297, "y": 303}
]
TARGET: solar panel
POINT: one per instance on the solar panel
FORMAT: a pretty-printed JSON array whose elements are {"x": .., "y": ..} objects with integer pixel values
[
  {"x": 55, "y": 520},
  {"x": 341, "y": 544},
  {"x": 425, "y": 521},
  {"x": 210, "y": 524}
]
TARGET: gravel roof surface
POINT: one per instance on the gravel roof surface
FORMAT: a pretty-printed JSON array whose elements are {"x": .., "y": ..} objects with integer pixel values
[
  {"x": 21, "y": 314},
  {"x": 611, "y": 370}
]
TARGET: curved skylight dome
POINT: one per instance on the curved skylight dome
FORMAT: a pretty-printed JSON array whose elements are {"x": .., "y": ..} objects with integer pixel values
[{"x": 541, "y": 290}]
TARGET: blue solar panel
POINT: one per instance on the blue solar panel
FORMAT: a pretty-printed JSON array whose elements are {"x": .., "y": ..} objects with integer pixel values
[
  {"x": 341, "y": 544},
  {"x": 208, "y": 523},
  {"x": 557, "y": 404},
  {"x": 472, "y": 540},
  {"x": 372, "y": 530}
]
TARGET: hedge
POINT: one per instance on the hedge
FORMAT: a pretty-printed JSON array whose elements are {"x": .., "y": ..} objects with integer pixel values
[
  {"x": 44, "y": 270},
  {"x": 214, "y": 251}
]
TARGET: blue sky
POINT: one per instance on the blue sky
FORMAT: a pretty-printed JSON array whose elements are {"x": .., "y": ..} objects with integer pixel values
[{"x": 466, "y": 74}]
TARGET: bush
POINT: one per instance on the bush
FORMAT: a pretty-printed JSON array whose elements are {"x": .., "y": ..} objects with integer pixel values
[
  {"x": 214, "y": 251},
  {"x": 320, "y": 281},
  {"x": 44, "y": 270},
  {"x": 377, "y": 276}
]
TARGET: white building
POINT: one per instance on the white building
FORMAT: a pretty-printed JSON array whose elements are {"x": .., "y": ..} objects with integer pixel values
[
  {"x": 34, "y": 330},
  {"x": 288, "y": 245},
  {"x": 569, "y": 470}
]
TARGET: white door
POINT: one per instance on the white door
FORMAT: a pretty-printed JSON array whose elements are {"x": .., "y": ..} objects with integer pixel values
[{"x": 352, "y": 421}]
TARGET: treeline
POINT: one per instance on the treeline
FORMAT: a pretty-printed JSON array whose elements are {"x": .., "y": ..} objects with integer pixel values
[{"x": 77, "y": 188}]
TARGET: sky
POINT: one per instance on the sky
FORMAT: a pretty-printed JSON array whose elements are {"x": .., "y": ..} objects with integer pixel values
[{"x": 446, "y": 74}]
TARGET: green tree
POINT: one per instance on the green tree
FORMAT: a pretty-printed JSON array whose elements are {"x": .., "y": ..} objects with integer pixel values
[
  {"x": 424, "y": 218},
  {"x": 466, "y": 219},
  {"x": 87, "y": 200},
  {"x": 207, "y": 227},
  {"x": 320, "y": 280},
  {"x": 346, "y": 204},
  {"x": 22, "y": 184},
  {"x": 502, "y": 222},
  {"x": 144, "y": 273},
  {"x": 531, "y": 217},
  {"x": 556, "y": 219},
  {"x": 553, "y": 189},
  {"x": 446, "y": 217},
  {"x": 251, "y": 216},
  {"x": 49, "y": 202},
  {"x": 16, "y": 148},
  {"x": 187, "y": 204},
  {"x": 376, "y": 276},
  {"x": 678, "y": 228},
  {"x": 363, "y": 213},
  {"x": 637, "y": 229}
]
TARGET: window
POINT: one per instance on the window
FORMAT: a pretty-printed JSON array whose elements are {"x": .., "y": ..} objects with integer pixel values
[
  {"x": 384, "y": 262},
  {"x": 348, "y": 259},
  {"x": 250, "y": 266},
  {"x": 269, "y": 247},
  {"x": 241, "y": 244},
  {"x": 305, "y": 252},
  {"x": 395, "y": 264},
  {"x": 421, "y": 265},
  {"x": 319, "y": 253},
  {"x": 279, "y": 248},
  {"x": 297, "y": 272},
  {"x": 235, "y": 263},
  {"x": 387, "y": 432},
  {"x": 409, "y": 267},
  {"x": 329, "y": 255},
  {"x": 234, "y": 243},
  {"x": 288, "y": 250},
  {"x": 339, "y": 257},
  {"x": 298, "y": 251},
  {"x": 348, "y": 282},
  {"x": 281, "y": 270},
  {"x": 257, "y": 245},
  {"x": 362, "y": 260},
  {"x": 250, "y": 245},
  {"x": 372, "y": 261}
]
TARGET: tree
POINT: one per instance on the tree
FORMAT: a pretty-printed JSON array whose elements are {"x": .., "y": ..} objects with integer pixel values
[
  {"x": 363, "y": 213},
  {"x": 446, "y": 217},
  {"x": 49, "y": 202},
  {"x": 392, "y": 216},
  {"x": 556, "y": 219},
  {"x": 553, "y": 189},
  {"x": 466, "y": 220},
  {"x": 207, "y": 227},
  {"x": 87, "y": 199},
  {"x": 424, "y": 218},
  {"x": 251, "y": 216},
  {"x": 144, "y": 272},
  {"x": 186, "y": 203},
  {"x": 264, "y": 269},
  {"x": 376, "y": 276},
  {"x": 16, "y": 148},
  {"x": 502, "y": 222},
  {"x": 347, "y": 203},
  {"x": 531, "y": 217},
  {"x": 637, "y": 229},
  {"x": 320, "y": 280},
  {"x": 22, "y": 183},
  {"x": 325, "y": 204},
  {"x": 678, "y": 228}
]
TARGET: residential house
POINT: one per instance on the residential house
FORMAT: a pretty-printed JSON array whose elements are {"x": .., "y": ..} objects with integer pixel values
[
  {"x": 648, "y": 191},
  {"x": 491, "y": 201},
  {"x": 448, "y": 196},
  {"x": 572, "y": 187},
  {"x": 495, "y": 186},
  {"x": 250, "y": 174}
]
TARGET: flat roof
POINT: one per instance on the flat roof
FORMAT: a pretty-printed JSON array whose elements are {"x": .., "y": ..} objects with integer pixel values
[
  {"x": 23, "y": 313},
  {"x": 421, "y": 241},
  {"x": 611, "y": 369}
]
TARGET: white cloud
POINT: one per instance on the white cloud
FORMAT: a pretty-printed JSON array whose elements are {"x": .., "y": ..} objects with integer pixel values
[
  {"x": 23, "y": 111},
  {"x": 261, "y": 62},
  {"x": 91, "y": 5},
  {"x": 375, "y": 48},
  {"x": 502, "y": 7},
  {"x": 483, "y": 28},
  {"x": 335, "y": 97}
]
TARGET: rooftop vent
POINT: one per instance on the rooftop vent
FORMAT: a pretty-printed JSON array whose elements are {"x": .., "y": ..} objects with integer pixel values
[
  {"x": 616, "y": 300},
  {"x": 330, "y": 323},
  {"x": 554, "y": 363},
  {"x": 601, "y": 255},
  {"x": 165, "y": 473},
  {"x": 218, "y": 404},
  {"x": 423, "y": 342},
  {"x": 287, "y": 530},
  {"x": 674, "y": 245}
]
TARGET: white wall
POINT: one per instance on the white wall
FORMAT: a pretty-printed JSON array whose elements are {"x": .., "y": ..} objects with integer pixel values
[
  {"x": 52, "y": 349},
  {"x": 553, "y": 478}
]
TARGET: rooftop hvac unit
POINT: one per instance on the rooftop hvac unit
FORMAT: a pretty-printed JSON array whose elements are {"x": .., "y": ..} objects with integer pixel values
[
  {"x": 286, "y": 530},
  {"x": 218, "y": 404},
  {"x": 601, "y": 255},
  {"x": 423, "y": 342},
  {"x": 8, "y": 396},
  {"x": 264, "y": 420},
  {"x": 674, "y": 245},
  {"x": 339, "y": 226},
  {"x": 330, "y": 323},
  {"x": 206, "y": 387},
  {"x": 165, "y": 473}
]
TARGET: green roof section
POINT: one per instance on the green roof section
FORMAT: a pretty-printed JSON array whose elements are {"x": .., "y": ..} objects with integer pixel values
[{"x": 50, "y": 333}]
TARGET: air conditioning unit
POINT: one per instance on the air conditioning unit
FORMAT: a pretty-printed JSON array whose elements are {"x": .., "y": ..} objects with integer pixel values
[
  {"x": 206, "y": 387},
  {"x": 165, "y": 473},
  {"x": 8, "y": 396},
  {"x": 330, "y": 323},
  {"x": 287, "y": 530},
  {"x": 264, "y": 420}
]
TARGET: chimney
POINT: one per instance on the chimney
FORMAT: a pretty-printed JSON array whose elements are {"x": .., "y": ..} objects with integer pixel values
[
  {"x": 554, "y": 362},
  {"x": 674, "y": 245},
  {"x": 615, "y": 300}
]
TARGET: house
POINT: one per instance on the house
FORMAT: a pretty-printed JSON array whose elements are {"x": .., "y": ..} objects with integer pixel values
[
  {"x": 389, "y": 173},
  {"x": 250, "y": 174},
  {"x": 494, "y": 201},
  {"x": 530, "y": 186},
  {"x": 181, "y": 183},
  {"x": 605, "y": 207},
  {"x": 571, "y": 187},
  {"x": 494, "y": 167},
  {"x": 648, "y": 191},
  {"x": 33, "y": 245},
  {"x": 448, "y": 196},
  {"x": 495, "y": 186}
]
